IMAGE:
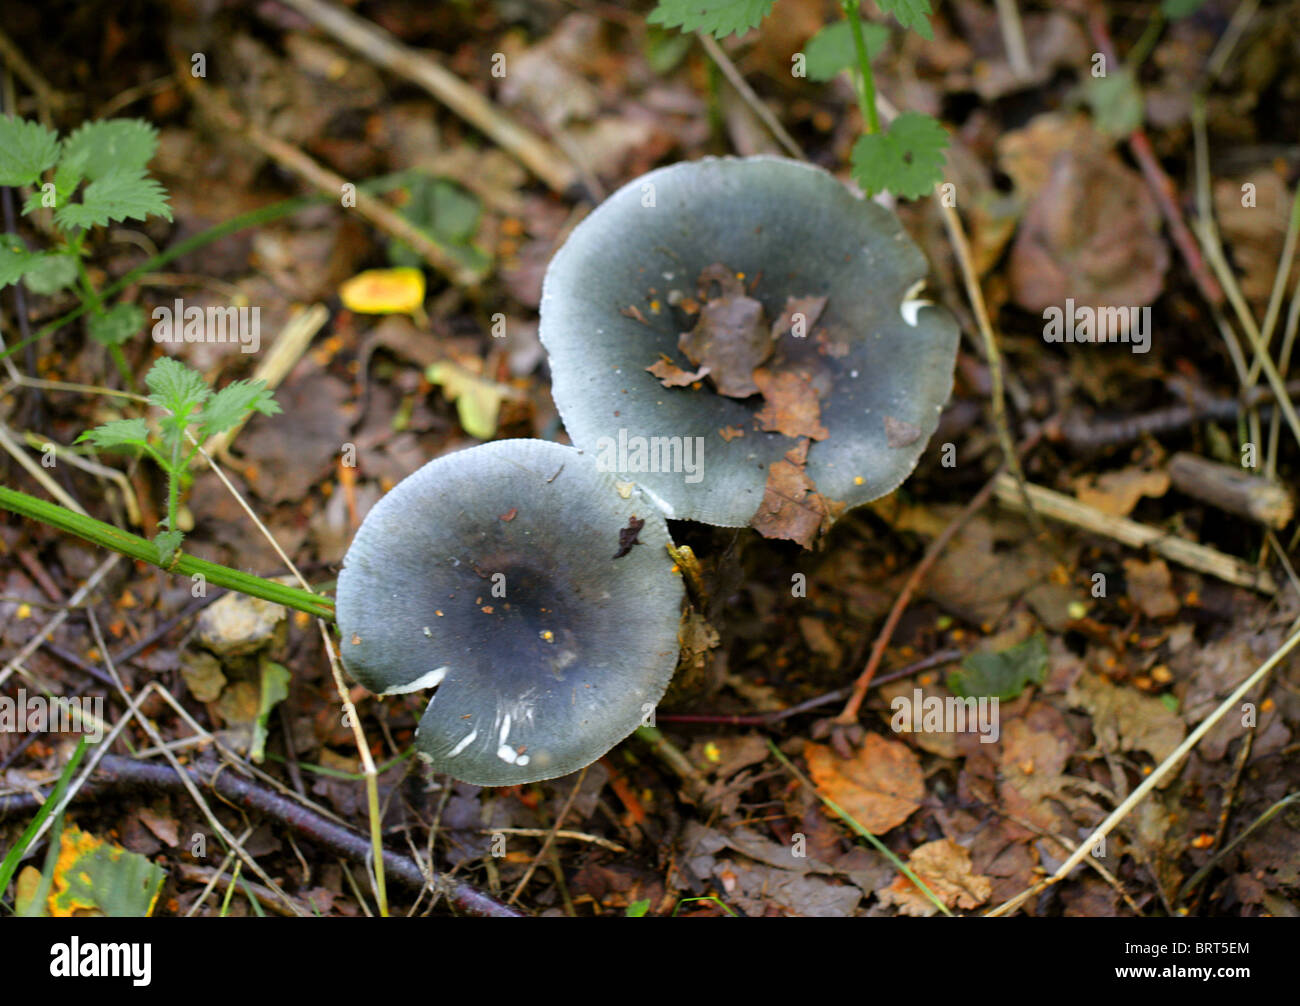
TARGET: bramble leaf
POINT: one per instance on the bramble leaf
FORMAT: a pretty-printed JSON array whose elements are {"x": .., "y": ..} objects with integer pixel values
[
  {"x": 115, "y": 326},
  {"x": 27, "y": 149},
  {"x": 910, "y": 14},
  {"x": 832, "y": 50},
  {"x": 907, "y": 159},
  {"x": 232, "y": 403},
  {"x": 119, "y": 433},
  {"x": 118, "y": 195},
  {"x": 112, "y": 145},
  {"x": 719, "y": 18}
]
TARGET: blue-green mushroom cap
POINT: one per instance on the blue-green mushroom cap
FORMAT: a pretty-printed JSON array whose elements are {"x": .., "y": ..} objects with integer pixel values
[
  {"x": 491, "y": 575},
  {"x": 880, "y": 357}
]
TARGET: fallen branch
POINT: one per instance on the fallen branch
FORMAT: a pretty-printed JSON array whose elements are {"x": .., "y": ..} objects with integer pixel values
[{"x": 116, "y": 772}]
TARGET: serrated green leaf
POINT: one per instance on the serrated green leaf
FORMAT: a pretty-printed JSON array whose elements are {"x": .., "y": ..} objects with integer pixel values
[
  {"x": 67, "y": 176},
  {"x": 1002, "y": 675},
  {"x": 1116, "y": 102},
  {"x": 907, "y": 159},
  {"x": 111, "y": 146},
  {"x": 177, "y": 390},
  {"x": 27, "y": 150},
  {"x": 167, "y": 542},
  {"x": 719, "y": 18},
  {"x": 1175, "y": 9},
  {"x": 49, "y": 272},
  {"x": 14, "y": 259},
  {"x": 832, "y": 50},
  {"x": 910, "y": 14},
  {"x": 119, "y": 195},
  {"x": 115, "y": 326},
  {"x": 232, "y": 403},
  {"x": 118, "y": 433}
]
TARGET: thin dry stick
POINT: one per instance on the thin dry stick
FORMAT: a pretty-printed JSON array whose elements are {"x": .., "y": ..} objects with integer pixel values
[
  {"x": 1154, "y": 779},
  {"x": 746, "y": 92},
  {"x": 376, "y": 211},
  {"x": 849, "y": 715},
  {"x": 1068, "y": 510},
  {"x": 378, "y": 46},
  {"x": 576, "y": 836},
  {"x": 546, "y": 844},
  {"x": 1013, "y": 38},
  {"x": 349, "y": 710}
]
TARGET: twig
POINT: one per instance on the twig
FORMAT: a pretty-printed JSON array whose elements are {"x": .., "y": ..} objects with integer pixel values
[
  {"x": 378, "y": 46},
  {"x": 1154, "y": 779},
  {"x": 115, "y": 772},
  {"x": 575, "y": 836},
  {"x": 747, "y": 94},
  {"x": 550, "y": 837},
  {"x": 1068, "y": 510},
  {"x": 1013, "y": 38},
  {"x": 292, "y": 159}
]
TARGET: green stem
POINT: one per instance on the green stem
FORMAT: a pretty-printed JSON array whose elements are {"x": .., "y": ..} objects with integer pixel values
[
  {"x": 135, "y": 547},
  {"x": 1138, "y": 54},
  {"x": 866, "y": 82}
]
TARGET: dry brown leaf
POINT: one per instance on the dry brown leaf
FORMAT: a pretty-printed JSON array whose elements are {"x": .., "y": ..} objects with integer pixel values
[
  {"x": 879, "y": 787},
  {"x": 945, "y": 868},
  {"x": 1123, "y": 719},
  {"x": 790, "y": 405},
  {"x": 672, "y": 376},
  {"x": 731, "y": 336},
  {"x": 1149, "y": 587},
  {"x": 801, "y": 310},
  {"x": 791, "y": 508},
  {"x": 1118, "y": 492}
]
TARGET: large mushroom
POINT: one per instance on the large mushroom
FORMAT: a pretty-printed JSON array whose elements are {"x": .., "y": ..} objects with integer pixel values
[
  {"x": 531, "y": 590},
  {"x": 699, "y": 284}
]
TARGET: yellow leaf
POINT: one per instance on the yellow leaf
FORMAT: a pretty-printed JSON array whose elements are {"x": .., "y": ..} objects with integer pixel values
[
  {"x": 384, "y": 291},
  {"x": 478, "y": 400}
]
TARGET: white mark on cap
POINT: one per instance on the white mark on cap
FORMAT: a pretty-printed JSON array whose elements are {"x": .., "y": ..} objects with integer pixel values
[
  {"x": 465, "y": 742},
  {"x": 430, "y": 680}
]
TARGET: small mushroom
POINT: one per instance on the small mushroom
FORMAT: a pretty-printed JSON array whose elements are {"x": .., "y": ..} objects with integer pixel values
[
  {"x": 488, "y": 573},
  {"x": 859, "y": 368}
]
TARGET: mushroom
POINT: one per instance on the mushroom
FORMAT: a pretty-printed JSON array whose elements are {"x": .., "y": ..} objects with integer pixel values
[
  {"x": 846, "y": 405},
  {"x": 491, "y": 575}
]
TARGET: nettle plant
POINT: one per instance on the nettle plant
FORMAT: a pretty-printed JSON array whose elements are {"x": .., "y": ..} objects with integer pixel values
[
  {"x": 733, "y": 341},
  {"x": 905, "y": 158},
  {"x": 95, "y": 176}
]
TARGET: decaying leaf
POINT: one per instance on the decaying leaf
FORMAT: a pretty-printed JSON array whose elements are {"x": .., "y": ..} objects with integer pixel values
[
  {"x": 1118, "y": 492},
  {"x": 945, "y": 868},
  {"x": 798, "y": 317},
  {"x": 1123, "y": 719},
  {"x": 731, "y": 336},
  {"x": 672, "y": 376},
  {"x": 93, "y": 877},
  {"x": 792, "y": 508},
  {"x": 880, "y": 786},
  {"x": 790, "y": 405},
  {"x": 478, "y": 400},
  {"x": 1149, "y": 586}
]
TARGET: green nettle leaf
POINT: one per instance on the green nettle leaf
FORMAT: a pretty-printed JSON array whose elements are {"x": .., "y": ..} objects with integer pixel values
[
  {"x": 1175, "y": 9},
  {"x": 117, "y": 325},
  {"x": 832, "y": 50},
  {"x": 112, "y": 145},
  {"x": 719, "y": 18},
  {"x": 176, "y": 389},
  {"x": 232, "y": 403},
  {"x": 907, "y": 159},
  {"x": 49, "y": 272},
  {"x": 1115, "y": 101},
  {"x": 14, "y": 259},
  {"x": 67, "y": 176},
  {"x": 167, "y": 542},
  {"x": 1001, "y": 675},
  {"x": 27, "y": 150},
  {"x": 118, "y": 195},
  {"x": 117, "y": 434},
  {"x": 910, "y": 14}
]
